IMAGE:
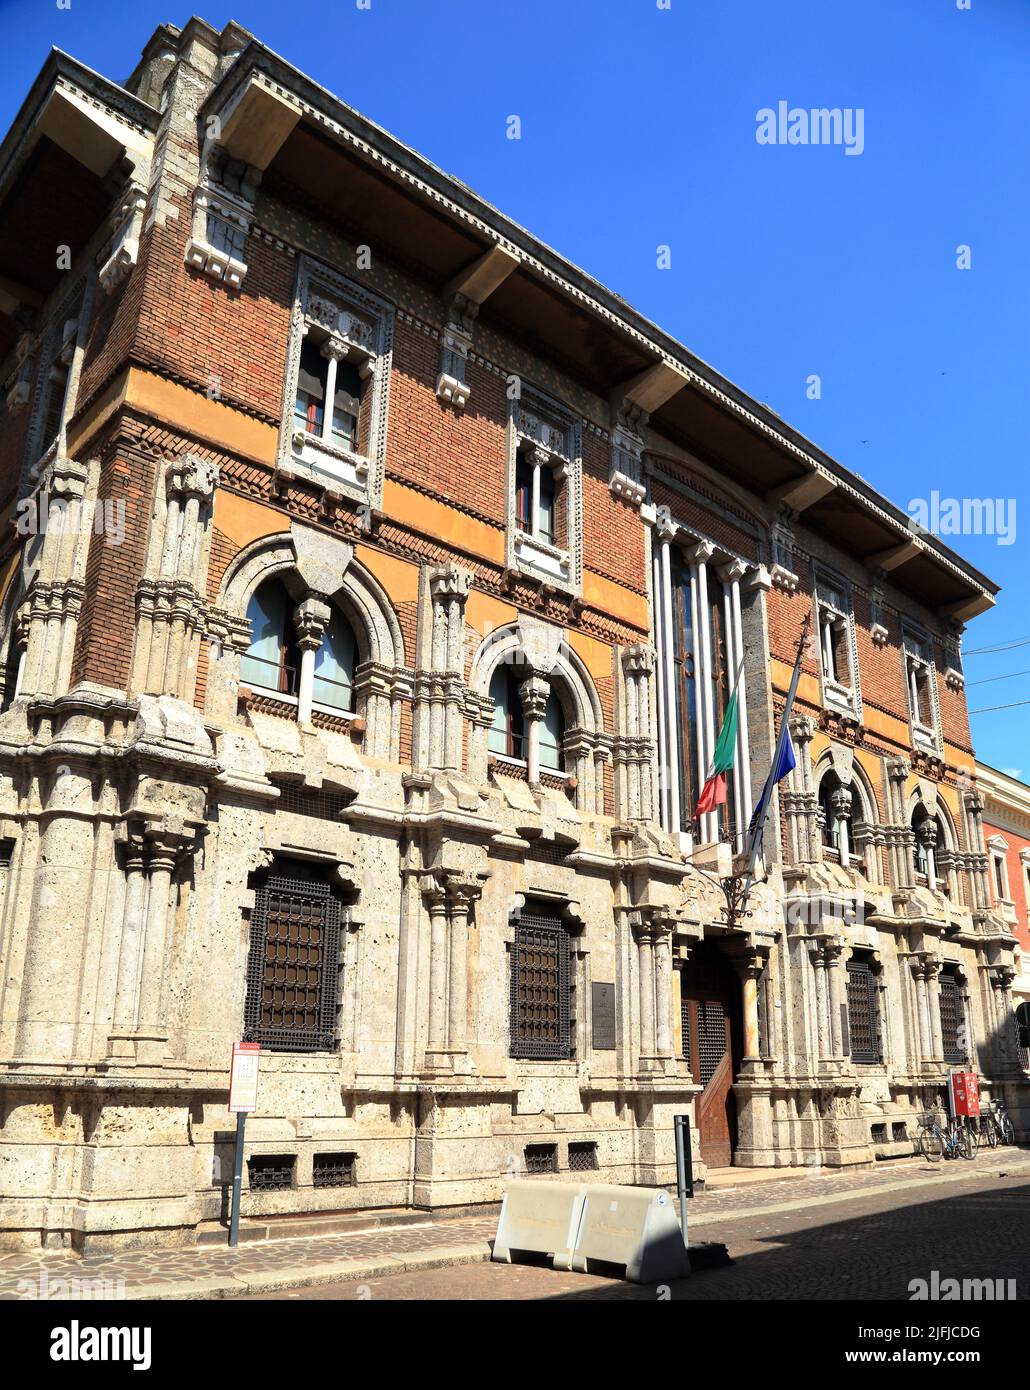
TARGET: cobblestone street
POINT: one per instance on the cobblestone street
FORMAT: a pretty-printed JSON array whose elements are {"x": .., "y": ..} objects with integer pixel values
[
  {"x": 809, "y": 1240},
  {"x": 823, "y": 1234}
]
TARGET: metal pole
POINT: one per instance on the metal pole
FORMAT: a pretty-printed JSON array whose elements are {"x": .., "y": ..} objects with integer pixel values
[
  {"x": 237, "y": 1180},
  {"x": 684, "y": 1170}
]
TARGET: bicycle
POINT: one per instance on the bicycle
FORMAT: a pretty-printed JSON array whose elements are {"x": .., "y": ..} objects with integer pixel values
[
  {"x": 935, "y": 1143},
  {"x": 996, "y": 1126}
]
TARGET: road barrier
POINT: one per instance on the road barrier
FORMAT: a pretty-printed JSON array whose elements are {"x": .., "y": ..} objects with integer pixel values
[{"x": 579, "y": 1225}]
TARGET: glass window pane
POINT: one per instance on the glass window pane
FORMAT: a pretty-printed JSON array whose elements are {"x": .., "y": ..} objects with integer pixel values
[
  {"x": 497, "y": 738},
  {"x": 545, "y": 517},
  {"x": 266, "y": 613},
  {"x": 552, "y": 733},
  {"x": 335, "y": 661}
]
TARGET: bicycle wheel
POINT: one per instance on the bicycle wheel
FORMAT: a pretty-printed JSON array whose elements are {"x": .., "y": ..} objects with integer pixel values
[
  {"x": 991, "y": 1134},
  {"x": 1008, "y": 1133},
  {"x": 931, "y": 1145},
  {"x": 968, "y": 1142}
]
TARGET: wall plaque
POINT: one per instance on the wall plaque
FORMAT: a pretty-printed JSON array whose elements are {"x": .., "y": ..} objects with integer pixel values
[{"x": 602, "y": 1017}]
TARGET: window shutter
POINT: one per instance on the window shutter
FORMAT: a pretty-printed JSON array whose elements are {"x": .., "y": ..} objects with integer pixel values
[{"x": 863, "y": 1012}]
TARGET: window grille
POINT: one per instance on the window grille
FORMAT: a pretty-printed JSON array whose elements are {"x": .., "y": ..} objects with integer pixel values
[
  {"x": 711, "y": 1037},
  {"x": 899, "y": 1131},
  {"x": 951, "y": 1018},
  {"x": 293, "y": 968},
  {"x": 315, "y": 802},
  {"x": 685, "y": 1032},
  {"x": 548, "y": 851},
  {"x": 6, "y": 853},
  {"x": 863, "y": 1012},
  {"x": 270, "y": 1172},
  {"x": 540, "y": 989},
  {"x": 879, "y": 1134},
  {"x": 582, "y": 1158},
  {"x": 541, "y": 1158},
  {"x": 335, "y": 1170}
]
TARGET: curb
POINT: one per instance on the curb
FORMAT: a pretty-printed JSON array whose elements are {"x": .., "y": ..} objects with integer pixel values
[{"x": 305, "y": 1277}]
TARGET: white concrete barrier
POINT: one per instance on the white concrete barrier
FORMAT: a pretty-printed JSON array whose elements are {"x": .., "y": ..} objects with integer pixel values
[
  {"x": 539, "y": 1218},
  {"x": 632, "y": 1226},
  {"x": 579, "y": 1224}
]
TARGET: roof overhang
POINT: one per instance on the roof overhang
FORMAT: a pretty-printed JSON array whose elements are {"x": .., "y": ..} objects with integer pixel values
[{"x": 74, "y": 132}]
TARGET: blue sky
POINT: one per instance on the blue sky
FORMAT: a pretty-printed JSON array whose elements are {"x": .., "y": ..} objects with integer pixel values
[{"x": 638, "y": 131}]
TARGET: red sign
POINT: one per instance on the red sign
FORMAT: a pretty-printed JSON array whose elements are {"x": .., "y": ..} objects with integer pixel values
[
  {"x": 243, "y": 1077},
  {"x": 963, "y": 1093}
]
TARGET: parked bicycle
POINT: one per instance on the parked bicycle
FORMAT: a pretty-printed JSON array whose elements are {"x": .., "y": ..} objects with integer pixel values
[
  {"x": 995, "y": 1125},
  {"x": 956, "y": 1140}
]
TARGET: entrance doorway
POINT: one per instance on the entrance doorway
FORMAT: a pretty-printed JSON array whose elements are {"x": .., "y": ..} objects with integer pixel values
[{"x": 711, "y": 1027}]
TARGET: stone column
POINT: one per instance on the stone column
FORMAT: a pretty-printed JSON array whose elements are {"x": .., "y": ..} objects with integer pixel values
[
  {"x": 462, "y": 894},
  {"x": 700, "y": 555},
  {"x": 311, "y": 618},
  {"x": 124, "y": 1019},
  {"x": 436, "y": 1044},
  {"x": 840, "y": 802},
  {"x": 663, "y": 989},
  {"x": 821, "y": 1009},
  {"x": 752, "y": 970},
  {"x": 645, "y": 966},
  {"x": 334, "y": 350},
  {"x": 835, "y": 971},
  {"x": 933, "y": 1006},
  {"x": 171, "y": 597},
  {"x": 534, "y": 692},
  {"x": 54, "y": 952},
  {"x": 166, "y": 841}
]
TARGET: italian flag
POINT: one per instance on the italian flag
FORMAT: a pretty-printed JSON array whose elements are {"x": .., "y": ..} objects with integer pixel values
[{"x": 713, "y": 793}]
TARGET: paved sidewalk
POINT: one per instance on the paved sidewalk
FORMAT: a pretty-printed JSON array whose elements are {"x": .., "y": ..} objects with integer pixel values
[{"x": 308, "y": 1261}]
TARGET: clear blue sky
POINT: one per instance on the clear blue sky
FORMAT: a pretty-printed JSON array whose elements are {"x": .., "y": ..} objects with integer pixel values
[{"x": 638, "y": 130}]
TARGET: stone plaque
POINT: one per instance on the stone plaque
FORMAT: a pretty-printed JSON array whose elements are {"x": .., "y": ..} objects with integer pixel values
[{"x": 602, "y": 1017}]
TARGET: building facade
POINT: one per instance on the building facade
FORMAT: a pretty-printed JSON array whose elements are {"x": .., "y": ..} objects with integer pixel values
[
  {"x": 1007, "y": 831},
  {"x": 375, "y": 587}
]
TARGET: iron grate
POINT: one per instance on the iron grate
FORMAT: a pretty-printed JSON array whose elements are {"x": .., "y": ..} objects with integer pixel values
[
  {"x": 951, "y": 1017},
  {"x": 6, "y": 853},
  {"x": 314, "y": 802},
  {"x": 270, "y": 1172},
  {"x": 863, "y": 1015},
  {"x": 711, "y": 1037},
  {"x": 335, "y": 1170},
  {"x": 582, "y": 1157},
  {"x": 541, "y": 1158},
  {"x": 293, "y": 967},
  {"x": 540, "y": 989}
]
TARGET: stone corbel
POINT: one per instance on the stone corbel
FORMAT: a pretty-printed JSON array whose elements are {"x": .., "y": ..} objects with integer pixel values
[{"x": 122, "y": 250}]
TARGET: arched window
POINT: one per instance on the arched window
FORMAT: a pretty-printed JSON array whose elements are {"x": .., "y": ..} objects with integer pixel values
[
  {"x": 507, "y": 732},
  {"x": 272, "y": 660},
  {"x": 335, "y": 661},
  {"x": 552, "y": 736},
  {"x": 837, "y": 805}
]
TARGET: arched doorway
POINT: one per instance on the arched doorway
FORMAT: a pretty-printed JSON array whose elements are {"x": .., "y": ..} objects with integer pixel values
[{"x": 711, "y": 1045}]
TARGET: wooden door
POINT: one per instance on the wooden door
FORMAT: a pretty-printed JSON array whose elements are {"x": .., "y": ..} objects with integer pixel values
[{"x": 710, "y": 1019}]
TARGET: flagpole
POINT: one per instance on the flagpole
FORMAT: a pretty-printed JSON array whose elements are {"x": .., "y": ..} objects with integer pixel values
[{"x": 759, "y": 831}]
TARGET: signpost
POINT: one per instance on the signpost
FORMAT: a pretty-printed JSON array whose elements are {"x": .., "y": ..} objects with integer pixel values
[
  {"x": 684, "y": 1169},
  {"x": 243, "y": 1078}
]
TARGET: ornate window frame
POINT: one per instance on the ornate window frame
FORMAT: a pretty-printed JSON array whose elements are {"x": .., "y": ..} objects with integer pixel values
[
  {"x": 362, "y": 325},
  {"x": 541, "y": 426},
  {"x": 833, "y": 602},
  {"x": 917, "y": 654}
]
